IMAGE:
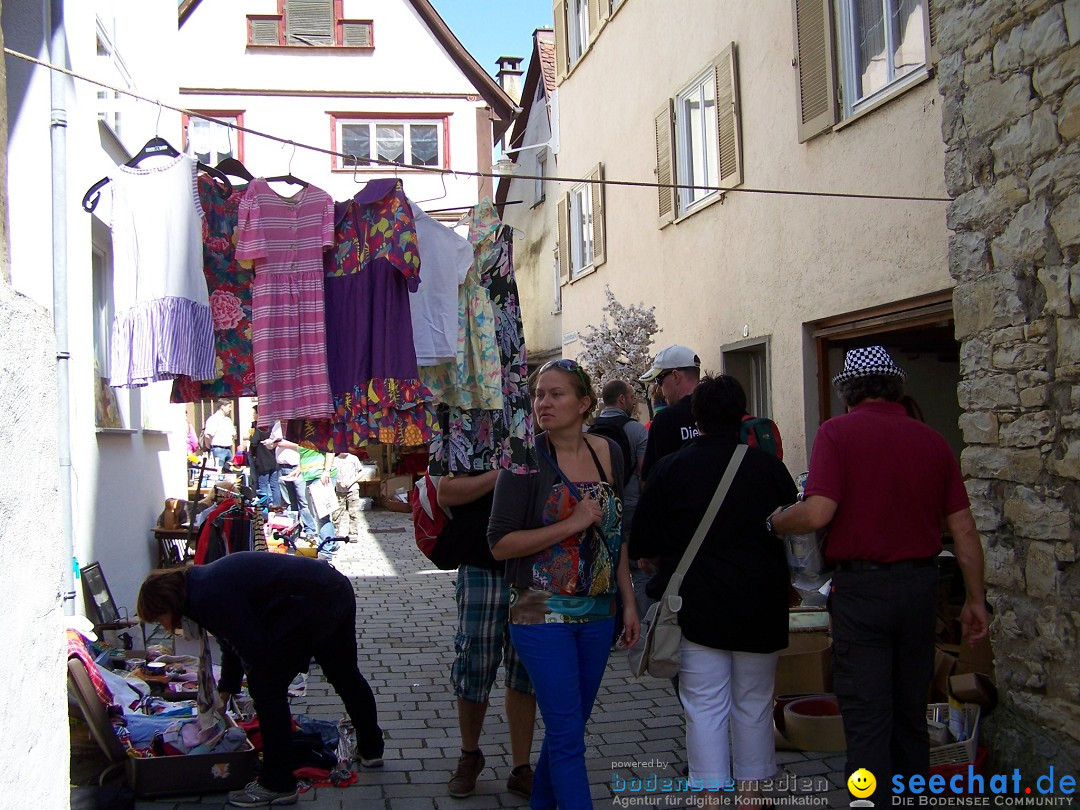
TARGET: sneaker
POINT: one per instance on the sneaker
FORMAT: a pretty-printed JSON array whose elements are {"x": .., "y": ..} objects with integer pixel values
[
  {"x": 520, "y": 781},
  {"x": 463, "y": 782},
  {"x": 255, "y": 795},
  {"x": 371, "y": 762}
]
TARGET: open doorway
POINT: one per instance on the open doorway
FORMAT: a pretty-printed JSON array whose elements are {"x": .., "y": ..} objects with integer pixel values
[{"x": 920, "y": 336}]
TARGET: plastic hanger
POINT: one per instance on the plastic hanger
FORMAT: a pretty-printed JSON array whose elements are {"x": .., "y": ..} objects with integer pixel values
[
  {"x": 155, "y": 147},
  {"x": 289, "y": 177},
  {"x": 233, "y": 167}
]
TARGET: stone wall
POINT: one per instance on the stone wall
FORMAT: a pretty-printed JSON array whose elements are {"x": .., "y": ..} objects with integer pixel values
[{"x": 1010, "y": 75}]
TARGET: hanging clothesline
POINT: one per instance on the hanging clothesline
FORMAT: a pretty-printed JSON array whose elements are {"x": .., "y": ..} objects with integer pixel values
[{"x": 464, "y": 173}]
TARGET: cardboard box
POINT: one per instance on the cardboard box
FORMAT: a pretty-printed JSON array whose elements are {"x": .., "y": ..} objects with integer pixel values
[
  {"x": 391, "y": 485},
  {"x": 973, "y": 687},
  {"x": 805, "y": 666}
]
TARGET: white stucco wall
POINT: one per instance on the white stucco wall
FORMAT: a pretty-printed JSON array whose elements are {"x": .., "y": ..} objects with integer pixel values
[
  {"x": 290, "y": 92},
  {"x": 119, "y": 480},
  {"x": 535, "y": 236},
  {"x": 759, "y": 263},
  {"x": 31, "y": 555}
]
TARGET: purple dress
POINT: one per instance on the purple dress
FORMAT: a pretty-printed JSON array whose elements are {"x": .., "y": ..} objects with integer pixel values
[{"x": 371, "y": 359}]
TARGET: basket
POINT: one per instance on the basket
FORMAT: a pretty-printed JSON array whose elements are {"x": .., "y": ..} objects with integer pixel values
[{"x": 958, "y": 753}]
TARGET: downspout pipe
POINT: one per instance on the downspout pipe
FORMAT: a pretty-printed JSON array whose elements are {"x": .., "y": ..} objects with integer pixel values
[{"x": 54, "y": 16}]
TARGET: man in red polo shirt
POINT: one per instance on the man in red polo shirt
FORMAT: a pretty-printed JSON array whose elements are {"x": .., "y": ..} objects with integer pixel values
[{"x": 884, "y": 483}]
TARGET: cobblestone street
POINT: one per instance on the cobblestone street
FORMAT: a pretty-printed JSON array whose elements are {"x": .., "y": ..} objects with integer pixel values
[{"x": 405, "y": 624}]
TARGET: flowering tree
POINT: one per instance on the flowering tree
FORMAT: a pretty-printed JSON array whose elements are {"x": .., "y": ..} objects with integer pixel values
[{"x": 619, "y": 350}]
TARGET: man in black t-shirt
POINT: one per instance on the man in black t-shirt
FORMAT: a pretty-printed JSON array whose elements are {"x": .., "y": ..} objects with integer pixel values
[{"x": 675, "y": 371}]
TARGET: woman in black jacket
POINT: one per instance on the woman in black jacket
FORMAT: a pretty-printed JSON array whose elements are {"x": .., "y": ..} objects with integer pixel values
[
  {"x": 734, "y": 595},
  {"x": 271, "y": 614}
]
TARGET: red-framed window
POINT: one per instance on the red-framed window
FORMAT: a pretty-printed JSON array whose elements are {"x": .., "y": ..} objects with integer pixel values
[
  {"x": 421, "y": 140},
  {"x": 210, "y": 141},
  {"x": 309, "y": 23}
]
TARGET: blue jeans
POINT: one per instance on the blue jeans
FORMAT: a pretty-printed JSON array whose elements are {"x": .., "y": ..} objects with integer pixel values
[
  {"x": 566, "y": 664},
  {"x": 221, "y": 455},
  {"x": 268, "y": 486},
  {"x": 294, "y": 493}
]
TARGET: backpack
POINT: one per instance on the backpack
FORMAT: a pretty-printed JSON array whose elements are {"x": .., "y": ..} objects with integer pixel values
[
  {"x": 762, "y": 433},
  {"x": 612, "y": 428},
  {"x": 431, "y": 523}
]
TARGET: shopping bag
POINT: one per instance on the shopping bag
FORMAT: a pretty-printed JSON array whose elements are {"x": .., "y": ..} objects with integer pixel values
[
  {"x": 322, "y": 498},
  {"x": 657, "y": 651}
]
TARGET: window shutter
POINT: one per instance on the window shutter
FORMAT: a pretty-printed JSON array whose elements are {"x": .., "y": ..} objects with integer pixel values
[
  {"x": 728, "y": 119},
  {"x": 599, "y": 231},
  {"x": 596, "y": 14},
  {"x": 664, "y": 122},
  {"x": 562, "y": 51},
  {"x": 309, "y": 22},
  {"x": 563, "y": 213},
  {"x": 356, "y": 34},
  {"x": 263, "y": 31},
  {"x": 816, "y": 86},
  {"x": 933, "y": 10}
]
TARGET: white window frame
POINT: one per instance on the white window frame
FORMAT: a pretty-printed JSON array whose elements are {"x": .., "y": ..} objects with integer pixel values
[
  {"x": 541, "y": 173},
  {"x": 217, "y": 134},
  {"x": 848, "y": 47},
  {"x": 577, "y": 25},
  {"x": 581, "y": 230},
  {"x": 372, "y": 123},
  {"x": 102, "y": 303},
  {"x": 110, "y": 68},
  {"x": 688, "y": 199}
]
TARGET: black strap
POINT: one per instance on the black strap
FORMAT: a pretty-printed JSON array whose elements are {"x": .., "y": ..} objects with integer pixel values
[{"x": 555, "y": 459}]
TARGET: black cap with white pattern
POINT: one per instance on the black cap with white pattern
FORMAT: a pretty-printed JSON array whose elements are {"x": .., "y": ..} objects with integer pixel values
[{"x": 868, "y": 362}]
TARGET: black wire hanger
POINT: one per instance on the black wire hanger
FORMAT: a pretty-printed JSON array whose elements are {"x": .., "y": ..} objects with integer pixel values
[{"x": 155, "y": 147}]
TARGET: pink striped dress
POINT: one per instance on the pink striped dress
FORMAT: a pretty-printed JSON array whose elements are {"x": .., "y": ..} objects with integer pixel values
[{"x": 284, "y": 238}]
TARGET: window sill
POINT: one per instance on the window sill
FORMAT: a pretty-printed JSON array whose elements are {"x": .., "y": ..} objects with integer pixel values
[
  {"x": 316, "y": 48},
  {"x": 538, "y": 203},
  {"x": 156, "y": 432},
  {"x": 588, "y": 271},
  {"x": 115, "y": 431},
  {"x": 718, "y": 197},
  {"x": 887, "y": 94},
  {"x": 387, "y": 169}
]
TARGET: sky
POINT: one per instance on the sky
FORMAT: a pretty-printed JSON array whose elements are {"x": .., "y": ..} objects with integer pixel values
[{"x": 493, "y": 28}]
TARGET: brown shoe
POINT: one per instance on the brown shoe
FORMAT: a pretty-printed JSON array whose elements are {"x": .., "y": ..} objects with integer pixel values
[
  {"x": 463, "y": 782},
  {"x": 520, "y": 781}
]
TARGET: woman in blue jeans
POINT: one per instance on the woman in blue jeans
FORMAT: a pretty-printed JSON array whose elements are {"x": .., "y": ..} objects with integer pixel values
[{"x": 560, "y": 532}]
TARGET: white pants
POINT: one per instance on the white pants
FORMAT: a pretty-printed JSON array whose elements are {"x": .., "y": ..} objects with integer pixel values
[{"x": 722, "y": 690}]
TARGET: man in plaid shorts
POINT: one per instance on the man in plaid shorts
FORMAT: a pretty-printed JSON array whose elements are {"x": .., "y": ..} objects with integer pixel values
[{"x": 483, "y": 639}]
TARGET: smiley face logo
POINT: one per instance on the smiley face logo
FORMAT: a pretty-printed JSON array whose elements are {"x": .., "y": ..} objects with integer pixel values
[{"x": 862, "y": 783}]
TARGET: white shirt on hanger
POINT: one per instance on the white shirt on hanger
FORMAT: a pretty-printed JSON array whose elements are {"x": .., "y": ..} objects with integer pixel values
[{"x": 445, "y": 260}]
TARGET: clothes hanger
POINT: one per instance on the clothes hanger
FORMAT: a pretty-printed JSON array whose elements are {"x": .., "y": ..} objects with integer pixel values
[
  {"x": 442, "y": 179},
  {"x": 155, "y": 147},
  {"x": 289, "y": 177},
  {"x": 232, "y": 166}
]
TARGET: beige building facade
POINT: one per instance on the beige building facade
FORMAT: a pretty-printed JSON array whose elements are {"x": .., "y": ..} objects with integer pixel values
[{"x": 771, "y": 287}]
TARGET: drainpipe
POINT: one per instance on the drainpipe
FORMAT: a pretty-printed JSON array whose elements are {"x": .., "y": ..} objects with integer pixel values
[{"x": 54, "y": 16}]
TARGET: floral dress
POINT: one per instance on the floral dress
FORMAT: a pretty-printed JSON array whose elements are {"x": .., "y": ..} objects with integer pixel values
[
  {"x": 479, "y": 439},
  {"x": 230, "y": 302}
]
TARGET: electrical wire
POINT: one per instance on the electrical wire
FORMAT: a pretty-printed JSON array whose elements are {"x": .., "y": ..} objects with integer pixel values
[{"x": 462, "y": 173}]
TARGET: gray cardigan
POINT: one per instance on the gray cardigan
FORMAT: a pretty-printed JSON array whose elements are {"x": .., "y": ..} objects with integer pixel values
[{"x": 519, "y": 504}]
